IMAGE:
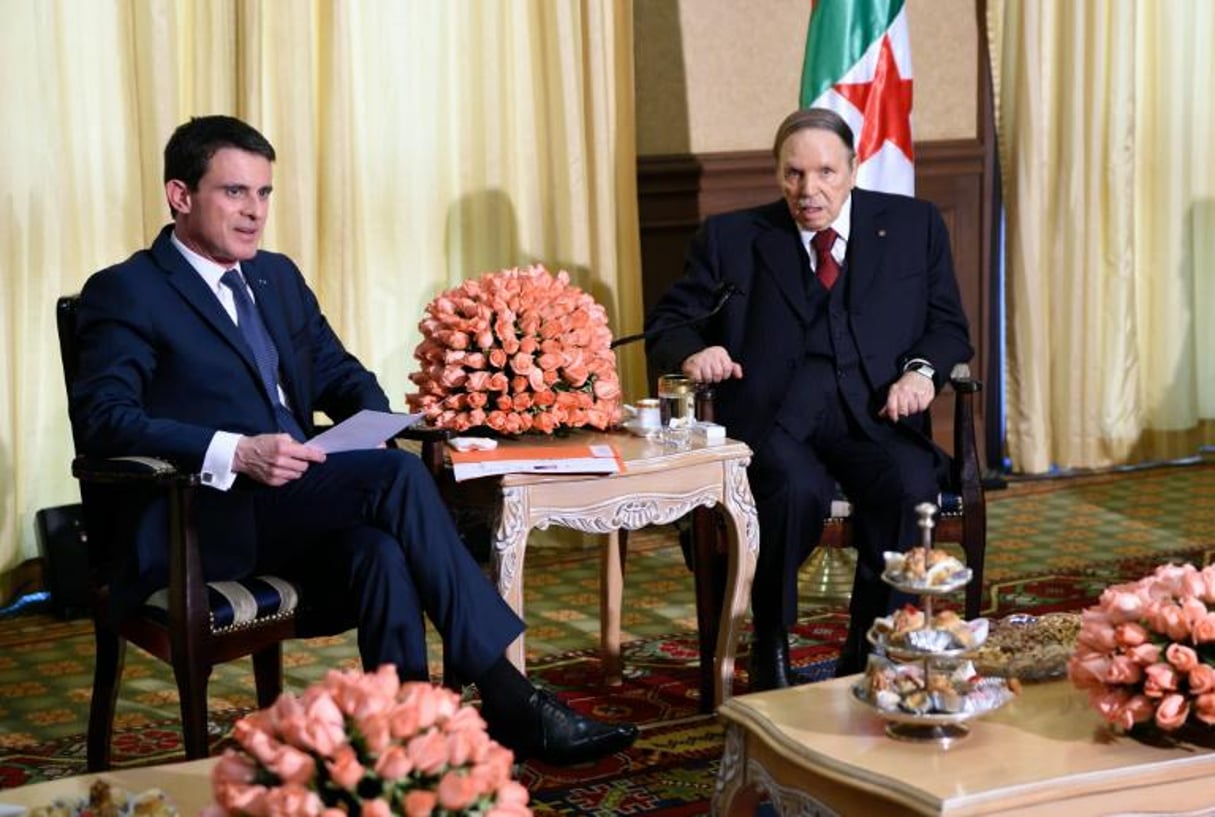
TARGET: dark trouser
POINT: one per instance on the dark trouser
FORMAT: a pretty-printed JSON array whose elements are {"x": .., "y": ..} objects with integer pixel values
[
  {"x": 371, "y": 524},
  {"x": 794, "y": 482}
]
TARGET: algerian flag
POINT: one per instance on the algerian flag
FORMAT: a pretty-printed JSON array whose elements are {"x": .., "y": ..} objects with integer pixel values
[{"x": 858, "y": 64}]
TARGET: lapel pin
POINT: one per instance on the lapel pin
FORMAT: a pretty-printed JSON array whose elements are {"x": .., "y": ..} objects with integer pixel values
[{"x": 881, "y": 232}]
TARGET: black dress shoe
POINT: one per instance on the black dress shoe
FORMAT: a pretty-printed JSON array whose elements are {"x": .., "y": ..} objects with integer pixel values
[
  {"x": 552, "y": 732},
  {"x": 770, "y": 663}
]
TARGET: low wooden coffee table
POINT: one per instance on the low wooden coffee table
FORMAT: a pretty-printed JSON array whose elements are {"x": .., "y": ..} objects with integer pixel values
[{"x": 817, "y": 752}]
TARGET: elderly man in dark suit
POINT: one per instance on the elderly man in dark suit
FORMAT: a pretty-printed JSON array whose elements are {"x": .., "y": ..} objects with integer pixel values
[
  {"x": 207, "y": 351},
  {"x": 845, "y": 320}
]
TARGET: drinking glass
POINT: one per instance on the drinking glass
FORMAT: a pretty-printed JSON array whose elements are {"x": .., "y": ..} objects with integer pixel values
[{"x": 677, "y": 409}]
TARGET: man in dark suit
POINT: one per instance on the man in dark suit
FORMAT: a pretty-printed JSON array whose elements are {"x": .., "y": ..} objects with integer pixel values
[
  {"x": 825, "y": 361},
  {"x": 211, "y": 353}
]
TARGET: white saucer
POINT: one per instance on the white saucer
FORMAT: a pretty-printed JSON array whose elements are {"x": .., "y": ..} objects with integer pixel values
[{"x": 638, "y": 430}]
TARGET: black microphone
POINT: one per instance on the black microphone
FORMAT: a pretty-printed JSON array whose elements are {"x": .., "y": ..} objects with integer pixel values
[{"x": 724, "y": 292}]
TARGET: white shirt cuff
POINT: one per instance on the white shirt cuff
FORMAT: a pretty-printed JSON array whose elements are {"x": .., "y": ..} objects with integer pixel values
[{"x": 217, "y": 470}]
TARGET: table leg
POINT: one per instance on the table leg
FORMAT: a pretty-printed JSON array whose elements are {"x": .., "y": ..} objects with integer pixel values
[
  {"x": 510, "y": 545},
  {"x": 611, "y": 592},
  {"x": 743, "y": 554},
  {"x": 733, "y": 794}
]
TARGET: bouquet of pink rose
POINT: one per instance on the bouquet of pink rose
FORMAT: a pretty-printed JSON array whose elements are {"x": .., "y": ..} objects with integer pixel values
[
  {"x": 1146, "y": 652},
  {"x": 366, "y": 744},
  {"x": 516, "y": 350}
]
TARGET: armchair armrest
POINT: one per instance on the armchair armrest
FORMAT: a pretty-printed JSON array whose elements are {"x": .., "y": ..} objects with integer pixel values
[
  {"x": 130, "y": 469},
  {"x": 966, "y": 475}
]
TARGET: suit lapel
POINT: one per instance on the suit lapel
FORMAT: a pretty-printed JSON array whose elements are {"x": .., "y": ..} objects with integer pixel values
[
  {"x": 190, "y": 285},
  {"x": 867, "y": 245},
  {"x": 778, "y": 245}
]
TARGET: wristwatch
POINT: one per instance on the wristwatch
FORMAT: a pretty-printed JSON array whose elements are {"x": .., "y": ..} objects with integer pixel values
[{"x": 921, "y": 367}]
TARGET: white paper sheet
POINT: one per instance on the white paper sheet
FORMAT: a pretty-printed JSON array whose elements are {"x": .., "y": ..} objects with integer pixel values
[{"x": 367, "y": 429}]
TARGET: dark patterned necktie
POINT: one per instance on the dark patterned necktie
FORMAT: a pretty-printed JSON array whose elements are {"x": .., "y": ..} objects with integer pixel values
[
  {"x": 249, "y": 320},
  {"x": 827, "y": 268}
]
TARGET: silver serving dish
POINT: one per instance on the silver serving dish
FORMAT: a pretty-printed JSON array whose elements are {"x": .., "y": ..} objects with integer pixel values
[
  {"x": 956, "y": 581},
  {"x": 926, "y": 642},
  {"x": 989, "y": 695}
]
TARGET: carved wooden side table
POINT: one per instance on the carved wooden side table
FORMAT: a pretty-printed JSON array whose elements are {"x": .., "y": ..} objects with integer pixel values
[{"x": 659, "y": 485}]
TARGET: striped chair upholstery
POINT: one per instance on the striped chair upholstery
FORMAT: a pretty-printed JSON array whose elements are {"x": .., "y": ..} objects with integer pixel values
[{"x": 236, "y": 605}]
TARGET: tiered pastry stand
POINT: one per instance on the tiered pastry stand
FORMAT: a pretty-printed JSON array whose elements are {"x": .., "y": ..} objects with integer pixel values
[{"x": 984, "y": 696}]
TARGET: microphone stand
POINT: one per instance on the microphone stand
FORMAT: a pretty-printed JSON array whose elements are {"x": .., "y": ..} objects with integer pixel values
[{"x": 724, "y": 292}]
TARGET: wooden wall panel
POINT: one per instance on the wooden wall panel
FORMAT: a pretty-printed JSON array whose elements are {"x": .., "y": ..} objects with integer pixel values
[{"x": 676, "y": 193}]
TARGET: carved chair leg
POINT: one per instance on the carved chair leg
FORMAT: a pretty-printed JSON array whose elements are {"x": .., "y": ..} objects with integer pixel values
[
  {"x": 111, "y": 650},
  {"x": 974, "y": 543},
  {"x": 192, "y": 689},
  {"x": 709, "y": 567},
  {"x": 268, "y": 673}
]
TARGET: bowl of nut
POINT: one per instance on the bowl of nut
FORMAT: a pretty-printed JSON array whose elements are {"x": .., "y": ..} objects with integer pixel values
[{"x": 1028, "y": 648}]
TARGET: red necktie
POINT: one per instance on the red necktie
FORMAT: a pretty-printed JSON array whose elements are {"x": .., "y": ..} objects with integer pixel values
[{"x": 827, "y": 268}]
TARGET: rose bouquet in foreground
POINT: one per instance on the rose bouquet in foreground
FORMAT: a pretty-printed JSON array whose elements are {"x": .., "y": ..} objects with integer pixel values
[
  {"x": 366, "y": 744},
  {"x": 516, "y": 350},
  {"x": 1146, "y": 652}
]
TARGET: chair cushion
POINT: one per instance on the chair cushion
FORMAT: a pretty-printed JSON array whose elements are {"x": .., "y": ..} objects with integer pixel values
[
  {"x": 949, "y": 503},
  {"x": 236, "y": 604}
]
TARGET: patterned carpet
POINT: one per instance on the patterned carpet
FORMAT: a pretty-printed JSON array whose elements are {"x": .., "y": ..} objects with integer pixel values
[{"x": 1052, "y": 545}]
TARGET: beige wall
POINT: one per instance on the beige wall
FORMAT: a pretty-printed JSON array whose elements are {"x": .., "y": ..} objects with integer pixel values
[{"x": 719, "y": 75}]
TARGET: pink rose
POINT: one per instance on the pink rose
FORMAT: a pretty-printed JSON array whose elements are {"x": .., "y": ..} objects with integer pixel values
[
  {"x": 419, "y": 803},
  {"x": 497, "y": 357},
  {"x": 428, "y": 752},
  {"x": 1203, "y": 630},
  {"x": 1130, "y": 634},
  {"x": 376, "y": 808},
  {"x": 1161, "y": 679},
  {"x": 345, "y": 769},
  {"x": 1145, "y": 654},
  {"x": 394, "y": 763},
  {"x": 1204, "y": 708},
  {"x": 1139, "y": 709},
  {"x": 1123, "y": 670},
  {"x": 1088, "y": 672},
  {"x": 1172, "y": 712},
  {"x": 1201, "y": 679},
  {"x": 1181, "y": 657},
  {"x": 292, "y": 800},
  {"x": 233, "y": 767}
]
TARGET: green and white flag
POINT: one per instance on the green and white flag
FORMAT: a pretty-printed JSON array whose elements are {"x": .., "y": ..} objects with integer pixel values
[{"x": 858, "y": 64}]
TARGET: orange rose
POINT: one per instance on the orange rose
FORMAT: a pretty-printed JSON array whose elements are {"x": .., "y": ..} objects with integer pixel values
[
  {"x": 497, "y": 357},
  {"x": 1123, "y": 670},
  {"x": 544, "y": 422},
  {"x": 428, "y": 752},
  {"x": 456, "y": 791}
]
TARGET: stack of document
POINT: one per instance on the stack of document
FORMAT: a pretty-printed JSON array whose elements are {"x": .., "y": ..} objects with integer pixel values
[{"x": 536, "y": 459}]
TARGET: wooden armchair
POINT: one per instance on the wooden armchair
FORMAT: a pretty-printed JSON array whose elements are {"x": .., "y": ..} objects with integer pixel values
[
  {"x": 191, "y": 625},
  {"x": 962, "y": 520}
]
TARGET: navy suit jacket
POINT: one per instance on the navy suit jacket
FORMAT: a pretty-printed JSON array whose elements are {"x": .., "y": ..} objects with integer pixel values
[
  {"x": 163, "y": 367},
  {"x": 902, "y": 300}
]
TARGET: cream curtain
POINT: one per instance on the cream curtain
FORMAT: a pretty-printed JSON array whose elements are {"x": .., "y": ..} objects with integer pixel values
[
  {"x": 1106, "y": 121},
  {"x": 419, "y": 143}
]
